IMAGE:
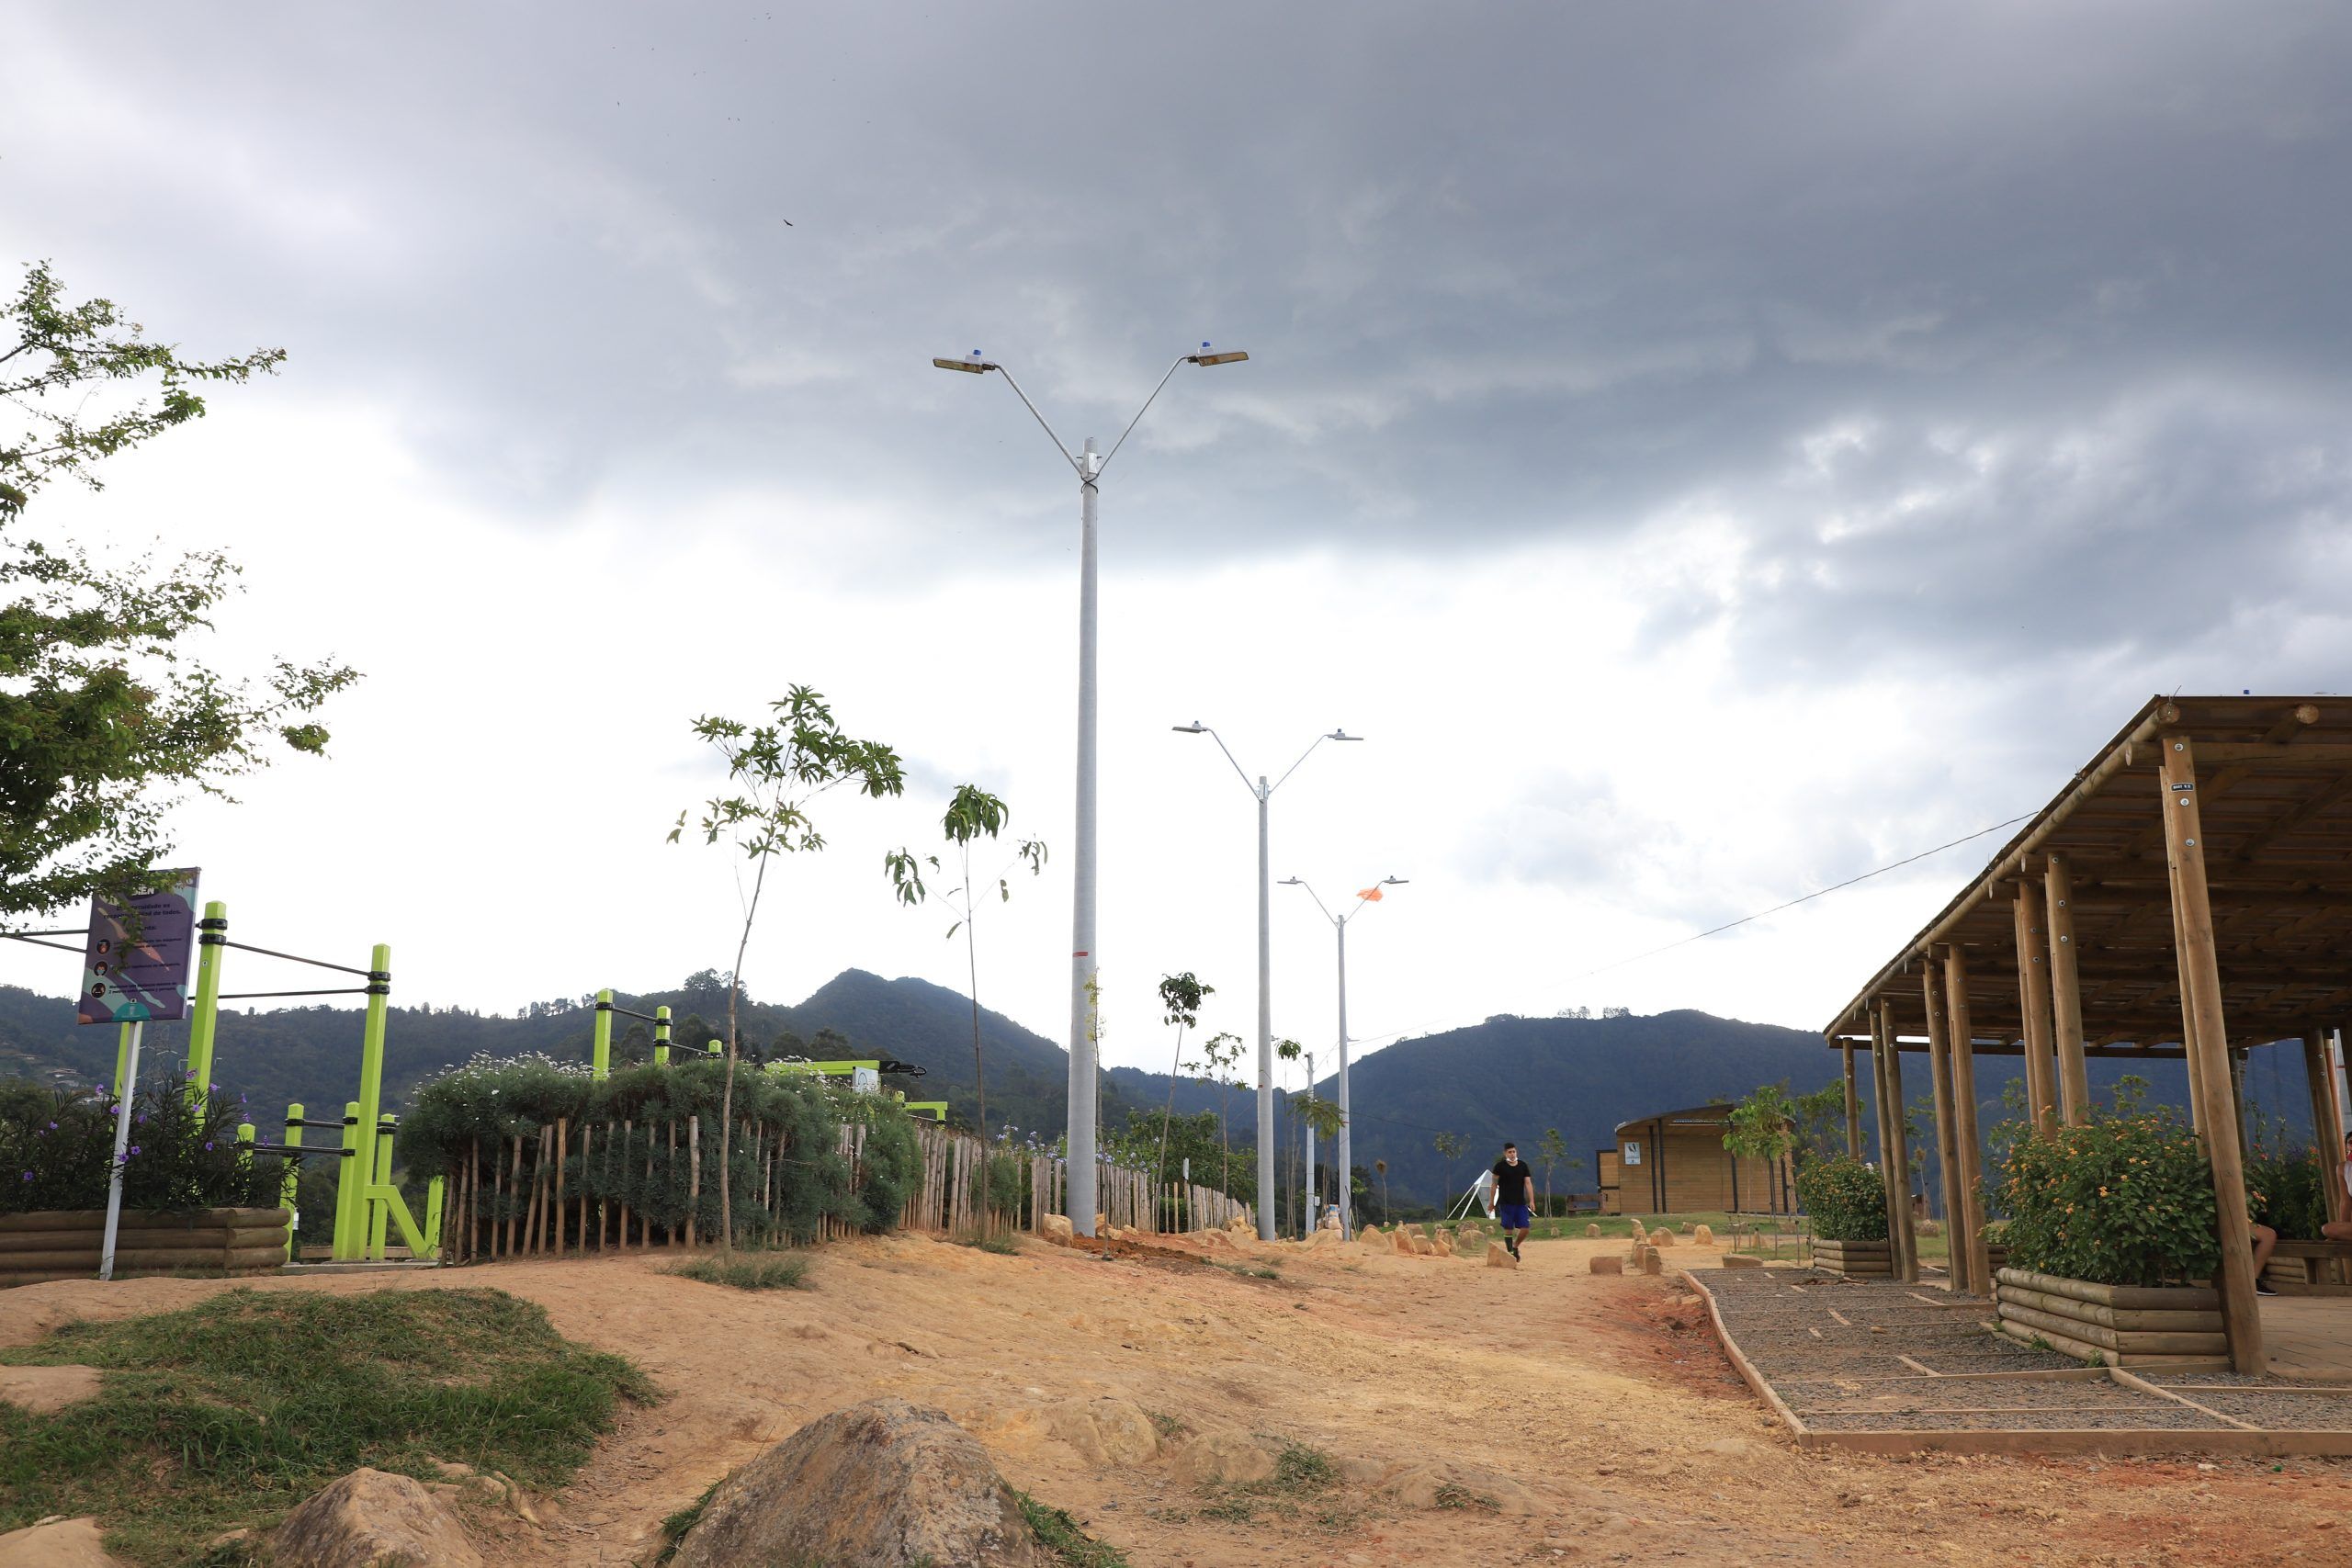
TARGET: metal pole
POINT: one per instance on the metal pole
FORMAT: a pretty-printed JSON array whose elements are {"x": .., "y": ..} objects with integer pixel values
[
  {"x": 1266, "y": 1029},
  {"x": 212, "y": 934},
  {"x": 1312, "y": 1210},
  {"x": 1084, "y": 963},
  {"x": 129, "y": 1081},
  {"x": 1347, "y": 1147},
  {"x": 601, "y": 1053}
]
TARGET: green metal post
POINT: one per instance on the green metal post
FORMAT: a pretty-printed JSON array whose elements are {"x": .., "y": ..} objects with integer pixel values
[
  {"x": 660, "y": 1037},
  {"x": 292, "y": 1187},
  {"x": 350, "y": 1187},
  {"x": 371, "y": 1096},
  {"x": 121, "y": 1059},
  {"x": 379, "y": 1213},
  {"x": 603, "y": 1058},
  {"x": 245, "y": 1137},
  {"x": 434, "y": 1191},
  {"x": 212, "y": 935}
]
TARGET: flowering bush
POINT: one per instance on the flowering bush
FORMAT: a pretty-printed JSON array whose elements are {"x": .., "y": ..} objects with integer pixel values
[
  {"x": 1844, "y": 1197},
  {"x": 57, "y": 1151},
  {"x": 2285, "y": 1188},
  {"x": 2123, "y": 1200}
]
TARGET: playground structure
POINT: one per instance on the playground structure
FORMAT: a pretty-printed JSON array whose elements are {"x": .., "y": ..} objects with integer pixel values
[
  {"x": 369, "y": 1209},
  {"x": 601, "y": 1058}
]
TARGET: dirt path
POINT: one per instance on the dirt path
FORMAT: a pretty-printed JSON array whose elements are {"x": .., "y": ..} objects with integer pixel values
[{"x": 1597, "y": 1411}]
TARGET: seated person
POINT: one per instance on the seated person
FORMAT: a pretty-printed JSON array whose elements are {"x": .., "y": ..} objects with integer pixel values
[{"x": 2341, "y": 1230}]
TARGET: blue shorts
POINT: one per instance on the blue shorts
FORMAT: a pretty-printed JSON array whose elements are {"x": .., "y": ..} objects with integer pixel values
[{"x": 1515, "y": 1217}]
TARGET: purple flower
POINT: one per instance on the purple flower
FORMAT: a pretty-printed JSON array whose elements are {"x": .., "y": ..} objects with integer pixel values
[
  {"x": 208, "y": 1145},
  {"x": 138, "y": 1121},
  {"x": 28, "y": 1176},
  {"x": 114, "y": 1109},
  {"x": 52, "y": 1126},
  {"x": 134, "y": 1148}
]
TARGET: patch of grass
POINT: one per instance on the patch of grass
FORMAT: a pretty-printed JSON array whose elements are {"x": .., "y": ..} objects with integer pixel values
[
  {"x": 1300, "y": 1469},
  {"x": 675, "y": 1528},
  {"x": 1059, "y": 1534},
  {"x": 1263, "y": 1271},
  {"x": 1450, "y": 1495},
  {"x": 767, "y": 1272},
  {"x": 229, "y": 1413},
  {"x": 1002, "y": 1246},
  {"x": 1232, "y": 1511},
  {"x": 1167, "y": 1425}
]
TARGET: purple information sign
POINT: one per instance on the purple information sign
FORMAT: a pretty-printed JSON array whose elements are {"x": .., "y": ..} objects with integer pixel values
[{"x": 128, "y": 981}]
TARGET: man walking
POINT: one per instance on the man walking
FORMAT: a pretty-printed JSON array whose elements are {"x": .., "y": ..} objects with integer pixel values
[{"x": 1514, "y": 1197}]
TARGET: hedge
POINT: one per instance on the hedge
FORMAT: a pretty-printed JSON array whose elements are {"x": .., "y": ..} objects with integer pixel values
[{"x": 487, "y": 1103}]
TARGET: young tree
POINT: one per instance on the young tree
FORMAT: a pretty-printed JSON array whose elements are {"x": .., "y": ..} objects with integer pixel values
[
  {"x": 1323, "y": 1118},
  {"x": 1180, "y": 996},
  {"x": 779, "y": 771},
  {"x": 1222, "y": 1052},
  {"x": 108, "y": 718},
  {"x": 1553, "y": 1151},
  {"x": 972, "y": 813},
  {"x": 1381, "y": 1167},
  {"x": 1449, "y": 1148}
]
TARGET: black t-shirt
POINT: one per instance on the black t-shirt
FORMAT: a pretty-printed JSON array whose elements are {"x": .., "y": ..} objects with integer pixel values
[{"x": 1514, "y": 1183}]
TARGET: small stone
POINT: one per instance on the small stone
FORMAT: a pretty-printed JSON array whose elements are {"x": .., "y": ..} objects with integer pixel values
[
  {"x": 372, "y": 1519},
  {"x": 1607, "y": 1265}
]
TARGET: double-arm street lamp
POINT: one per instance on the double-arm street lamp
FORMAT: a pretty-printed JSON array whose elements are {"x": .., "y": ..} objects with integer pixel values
[
  {"x": 1264, "y": 792},
  {"x": 1347, "y": 1122},
  {"x": 1085, "y": 957}
]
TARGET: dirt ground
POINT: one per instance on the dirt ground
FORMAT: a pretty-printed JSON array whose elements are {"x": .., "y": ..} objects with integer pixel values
[{"x": 1598, "y": 1412}]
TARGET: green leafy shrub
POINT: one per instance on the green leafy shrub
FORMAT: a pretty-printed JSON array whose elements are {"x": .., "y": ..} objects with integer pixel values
[
  {"x": 2120, "y": 1200},
  {"x": 794, "y": 1119},
  {"x": 2286, "y": 1189},
  {"x": 57, "y": 1151},
  {"x": 747, "y": 1272},
  {"x": 1844, "y": 1197}
]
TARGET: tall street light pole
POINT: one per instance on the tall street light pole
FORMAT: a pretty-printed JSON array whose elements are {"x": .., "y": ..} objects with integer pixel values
[
  {"x": 1085, "y": 960},
  {"x": 1264, "y": 792},
  {"x": 1347, "y": 1121}
]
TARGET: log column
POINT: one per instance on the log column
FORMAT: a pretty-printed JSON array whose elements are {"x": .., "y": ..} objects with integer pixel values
[
  {"x": 1888, "y": 1179},
  {"x": 2192, "y": 1058},
  {"x": 2065, "y": 994},
  {"x": 2184, "y": 848},
  {"x": 2327, "y": 1122},
  {"x": 1969, "y": 1214},
  {"x": 2033, "y": 1000},
  {"x": 1947, "y": 1142},
  {"x": 1902, "y": 1162},
  {"x": 1853, "y": 1107}
]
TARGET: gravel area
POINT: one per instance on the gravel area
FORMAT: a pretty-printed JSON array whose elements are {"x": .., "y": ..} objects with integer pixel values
[
  {"x": 2280, "y": 1412},
  {"x": 2156, "y": 1415}
]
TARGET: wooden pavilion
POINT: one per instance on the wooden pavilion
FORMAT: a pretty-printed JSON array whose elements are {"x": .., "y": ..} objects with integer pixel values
[
  {"x": 2188, "y": 894},
  {"x": 1675, "y": 1162}
]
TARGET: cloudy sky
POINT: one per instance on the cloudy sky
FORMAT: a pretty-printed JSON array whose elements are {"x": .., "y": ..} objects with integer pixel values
[{"x": 1708, "y": 451}]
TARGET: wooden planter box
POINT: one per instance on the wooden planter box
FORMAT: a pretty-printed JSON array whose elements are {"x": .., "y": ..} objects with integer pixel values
[
  {"x": 2122, "y": 1325},
  {"x": 65, "y": 1244},
  {"x": 1855, "y": 1259}
]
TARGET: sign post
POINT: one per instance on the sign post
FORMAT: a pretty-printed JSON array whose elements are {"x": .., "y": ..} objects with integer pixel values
[{"x": 134, "y": 968}]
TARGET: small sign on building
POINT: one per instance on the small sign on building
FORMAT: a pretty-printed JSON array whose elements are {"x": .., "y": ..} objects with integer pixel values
[{"x": 1633, "y": 1154}]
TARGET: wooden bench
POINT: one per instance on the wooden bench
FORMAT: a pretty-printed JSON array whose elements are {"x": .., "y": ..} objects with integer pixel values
[{"x": 2310, "y": 1268}]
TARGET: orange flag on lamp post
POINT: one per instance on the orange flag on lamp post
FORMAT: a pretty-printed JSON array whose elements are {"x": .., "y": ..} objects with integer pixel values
[{"x": 1369, "y": 895}]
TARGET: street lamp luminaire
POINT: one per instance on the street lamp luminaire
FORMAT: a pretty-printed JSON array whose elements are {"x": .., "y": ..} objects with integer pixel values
[
  {"x": 1085, "y": 957},
  {"x": 1347, "y": 1122},
  {"x": 1264, "y": 792}
]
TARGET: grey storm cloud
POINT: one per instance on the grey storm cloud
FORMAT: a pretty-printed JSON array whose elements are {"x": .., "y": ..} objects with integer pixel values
[{"x": 1982, "y": 330}]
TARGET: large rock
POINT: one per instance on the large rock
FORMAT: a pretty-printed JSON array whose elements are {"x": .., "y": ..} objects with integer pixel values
[
  {"x": 1703, "y": 1236},
  {"x": 1221, "y": 1453},
  {"x": 1593, "y": 1230},
  {"x": 57, "y": 1543},
  {"x": 1402, "y": 1238},
  {"x": 1608, "y": 1264},
  {"x": 1742, "y": 1260},
  {"x": 1057, "y": 1229},
  {"x": 1499, "y": 1256},
  {"x": 1423, "y": 1246},
  {"x": 883, "y": 1485},
  {"x": 370, "y": 1519}
]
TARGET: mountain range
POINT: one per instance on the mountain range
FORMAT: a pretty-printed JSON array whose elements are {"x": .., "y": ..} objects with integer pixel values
[{"x": 1507, "y": 1077}]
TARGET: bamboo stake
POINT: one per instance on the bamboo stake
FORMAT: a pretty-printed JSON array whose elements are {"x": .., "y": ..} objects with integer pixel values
[
  {"x": 562, "y": 1130},
  {"x": 670, "y": 1170},
  {"x": 693, "y": 1165},
  {"x": 514, "y": 1195},
  {"x": 629, "y": 1131}
]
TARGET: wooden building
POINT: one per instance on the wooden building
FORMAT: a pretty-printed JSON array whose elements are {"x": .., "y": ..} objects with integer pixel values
[
  {"x": 2188, "y": 893},
  {"x": 1675, "y": 1162}
]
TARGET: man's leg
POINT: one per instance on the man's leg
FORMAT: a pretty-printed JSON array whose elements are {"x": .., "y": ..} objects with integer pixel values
[{"x": 2265, "y": 1242}]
